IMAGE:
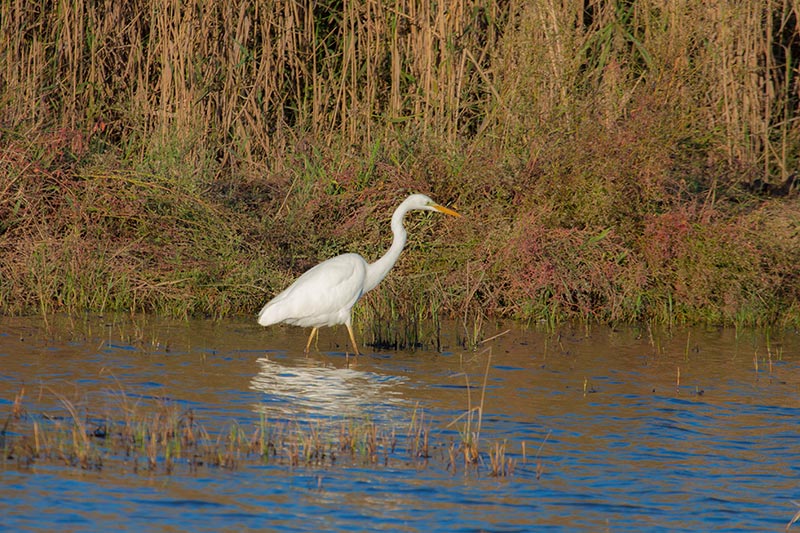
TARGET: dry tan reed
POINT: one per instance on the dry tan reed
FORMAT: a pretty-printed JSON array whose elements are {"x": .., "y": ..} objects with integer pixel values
[
  {"x": 244, "y": 75},
  {"x": 251, "y": 77}
]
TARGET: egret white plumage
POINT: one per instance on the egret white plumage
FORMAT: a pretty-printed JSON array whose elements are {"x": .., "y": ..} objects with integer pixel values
[{"x": 325, "y": 294}]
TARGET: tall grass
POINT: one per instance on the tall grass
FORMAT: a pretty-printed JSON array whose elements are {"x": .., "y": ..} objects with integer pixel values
[
  {"x": 725, "y": 70},
  {"x": 244, "y": 77},
  {"x": 247, "y": 78}
]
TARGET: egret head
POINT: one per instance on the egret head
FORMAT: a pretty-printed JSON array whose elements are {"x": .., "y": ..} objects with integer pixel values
[{"x": 420, "y": 201}]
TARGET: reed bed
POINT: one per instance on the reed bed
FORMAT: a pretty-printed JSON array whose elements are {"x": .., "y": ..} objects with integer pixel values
[
  {"x": 617, "y": 161},
  {"x": 248, "y": 77}
]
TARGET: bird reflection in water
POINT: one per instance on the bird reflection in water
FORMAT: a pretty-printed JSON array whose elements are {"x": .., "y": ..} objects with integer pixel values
[{"x": 316, "y": 389}]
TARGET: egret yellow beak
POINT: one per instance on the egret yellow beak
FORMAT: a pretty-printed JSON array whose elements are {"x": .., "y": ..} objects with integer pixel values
[{"x": 445, "y": 210}]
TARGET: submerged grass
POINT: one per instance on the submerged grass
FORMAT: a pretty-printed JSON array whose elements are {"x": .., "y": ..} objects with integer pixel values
[{"x": 159, "y": 436}]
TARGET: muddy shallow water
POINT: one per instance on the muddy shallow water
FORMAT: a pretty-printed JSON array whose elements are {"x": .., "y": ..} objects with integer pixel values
[{"x": 608, "y": 429}]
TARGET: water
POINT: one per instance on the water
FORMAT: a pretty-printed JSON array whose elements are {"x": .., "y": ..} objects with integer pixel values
[{"x": 623, "y": 429}]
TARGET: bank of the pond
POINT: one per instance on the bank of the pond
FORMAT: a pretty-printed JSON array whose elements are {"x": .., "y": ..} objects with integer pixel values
[
  {"x": 609, "y": 168},
  {"x": 91, "y": 236}
]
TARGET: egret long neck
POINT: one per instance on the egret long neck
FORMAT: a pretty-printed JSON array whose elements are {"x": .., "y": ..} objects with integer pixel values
[{"x": 377, "y": 271}]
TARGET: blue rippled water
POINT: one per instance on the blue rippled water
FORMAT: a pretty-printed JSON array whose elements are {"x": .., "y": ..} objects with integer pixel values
[{"x": 605, "y": 431}]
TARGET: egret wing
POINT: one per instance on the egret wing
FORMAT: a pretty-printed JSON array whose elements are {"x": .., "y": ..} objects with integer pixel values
[{"x": 322, "y": 296}]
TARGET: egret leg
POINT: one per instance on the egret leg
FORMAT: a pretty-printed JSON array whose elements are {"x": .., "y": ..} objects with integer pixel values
[
  {"x": 352, "y": 339},
  {"x": 314, "y": 331}
]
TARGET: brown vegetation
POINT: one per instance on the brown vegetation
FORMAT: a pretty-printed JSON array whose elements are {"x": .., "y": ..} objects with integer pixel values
[{"x": 615, "y": 160}]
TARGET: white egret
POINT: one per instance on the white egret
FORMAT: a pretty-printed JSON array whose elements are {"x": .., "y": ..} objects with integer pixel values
[{"x": 326, "y": 293}]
